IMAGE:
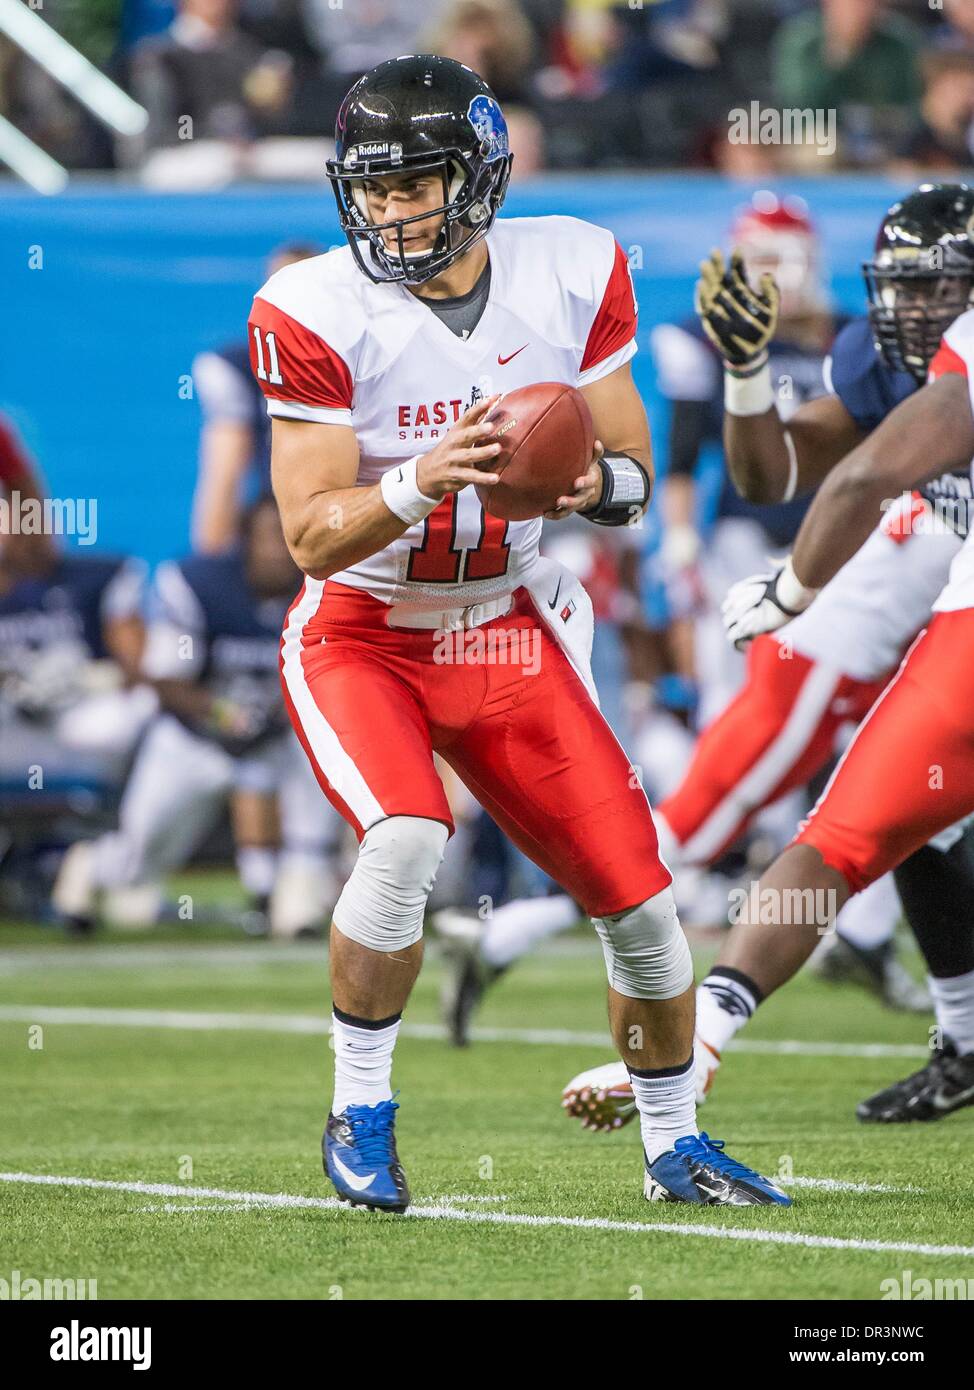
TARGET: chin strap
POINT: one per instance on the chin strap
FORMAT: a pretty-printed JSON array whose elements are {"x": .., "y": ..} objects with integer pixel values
[{"x": 626, "y": 490}]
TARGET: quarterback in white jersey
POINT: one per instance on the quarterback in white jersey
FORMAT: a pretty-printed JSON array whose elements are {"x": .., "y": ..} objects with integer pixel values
[{"x": 380, "y": 363}]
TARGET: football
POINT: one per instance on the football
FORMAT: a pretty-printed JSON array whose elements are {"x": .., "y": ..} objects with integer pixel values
[{"x": 547, "y": 438}]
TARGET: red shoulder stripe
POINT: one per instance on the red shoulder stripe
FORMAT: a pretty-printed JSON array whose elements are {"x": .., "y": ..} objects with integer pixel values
[
  {"x": 615, "y": 322},
  {"x": 291, "y": 363}
]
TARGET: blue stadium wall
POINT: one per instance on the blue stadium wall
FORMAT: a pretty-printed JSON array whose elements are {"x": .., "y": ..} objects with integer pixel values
[{"x": 97, "y": 342}]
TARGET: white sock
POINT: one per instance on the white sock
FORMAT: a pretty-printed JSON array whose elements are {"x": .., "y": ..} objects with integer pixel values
[
  {"x": 667, "y": 1108},
  {"x": 953, "y": 1003},
  {"x": 513, "y": 929},
  {"x": 869, "y": 919},
  {"x": 363, "y": 1063},
  {"x": 724, "y": 1005},
  {"x": 257, "y": 865}
]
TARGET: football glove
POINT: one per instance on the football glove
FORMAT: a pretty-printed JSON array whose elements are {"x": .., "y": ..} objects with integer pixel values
[
  {"x": 738, "y": 320},
  {"x": 763, "y": 603}
]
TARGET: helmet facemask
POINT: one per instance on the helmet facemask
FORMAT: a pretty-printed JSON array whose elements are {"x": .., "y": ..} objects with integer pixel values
[
  {"x": 914, "y": 297},
  {"x": 471, "y": 198}
]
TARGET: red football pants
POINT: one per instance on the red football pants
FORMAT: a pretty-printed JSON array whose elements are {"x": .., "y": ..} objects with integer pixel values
[
  {"x": 774, "y": 736},
  {"x": 909, "y": 771},
  {"x": 502, "y": 705}
]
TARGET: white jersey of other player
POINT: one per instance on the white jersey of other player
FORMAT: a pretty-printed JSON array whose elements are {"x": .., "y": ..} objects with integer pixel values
[
  {"x": 328, "y": 345},
  {"x": 868, "y": 613},
  {"x": 956, "y": 354}
]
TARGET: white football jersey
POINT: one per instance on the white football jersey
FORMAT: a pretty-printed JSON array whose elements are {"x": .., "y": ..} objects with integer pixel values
[
  {"x": 328, "y": 345},
  {"x": 868, "y": 614},
  {"x": 956, "y": 354}
]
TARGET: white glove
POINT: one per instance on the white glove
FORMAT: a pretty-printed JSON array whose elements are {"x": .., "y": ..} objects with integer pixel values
[{"x": 763, "y": 603}]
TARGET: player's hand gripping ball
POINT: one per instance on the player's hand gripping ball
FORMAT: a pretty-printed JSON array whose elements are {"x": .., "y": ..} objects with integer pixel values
[{"x": 547, "y": 442}]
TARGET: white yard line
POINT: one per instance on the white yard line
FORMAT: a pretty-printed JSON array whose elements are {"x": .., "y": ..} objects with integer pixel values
[
  {"x": 840, "y": 1185},
  {"x": 443, "y": 1212},
  {"x": 136, "y": 957},
  {"x": 209, "y": 1022},
  {"x": 17, "y": 960}
]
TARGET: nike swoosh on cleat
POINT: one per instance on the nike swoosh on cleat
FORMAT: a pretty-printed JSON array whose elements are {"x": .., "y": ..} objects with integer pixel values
[
  {"x": 711, "y": 1191},
  {"x": 503, "y": 361},
  {"x": 356, "y": 1183},
  {"x": 553, "y": 601},
  {"x": 940, "y": 1101}
]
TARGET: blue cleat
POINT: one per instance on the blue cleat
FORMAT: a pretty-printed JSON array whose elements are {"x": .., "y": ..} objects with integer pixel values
[
  {"x": 358, "y": 1149},
  {"x": 696, "y": 1169}
]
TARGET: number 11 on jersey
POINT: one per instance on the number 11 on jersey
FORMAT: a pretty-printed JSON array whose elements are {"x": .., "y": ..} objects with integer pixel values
[{"x": 274, "y": 376}]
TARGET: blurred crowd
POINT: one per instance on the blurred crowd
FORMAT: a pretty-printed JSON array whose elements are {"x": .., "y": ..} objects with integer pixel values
[{"x": 251, "y": 87}]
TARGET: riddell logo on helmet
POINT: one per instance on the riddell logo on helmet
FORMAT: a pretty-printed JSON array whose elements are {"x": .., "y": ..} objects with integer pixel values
[{"x": 371, "y": 151}]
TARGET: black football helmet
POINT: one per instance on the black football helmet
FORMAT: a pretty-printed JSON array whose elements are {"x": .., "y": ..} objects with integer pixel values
[
  {"x": 416, "y": 114},
  {"x": 921, "y": 276}
]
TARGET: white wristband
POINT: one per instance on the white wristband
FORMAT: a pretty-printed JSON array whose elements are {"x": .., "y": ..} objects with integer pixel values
[
  {"x": 402, "y": 496},
  {"x": 748, "y": 395},
  {"x": 790, "y": 593}
]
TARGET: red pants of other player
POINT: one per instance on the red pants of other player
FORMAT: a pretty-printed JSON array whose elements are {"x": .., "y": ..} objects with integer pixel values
[
  {"x": 909, "y": 771},
  {"x": 502, "y": 704},
  {"x": 774, "y": 736}
]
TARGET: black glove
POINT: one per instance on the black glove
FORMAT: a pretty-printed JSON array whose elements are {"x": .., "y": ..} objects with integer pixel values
[{"x": 738, "y": 320}]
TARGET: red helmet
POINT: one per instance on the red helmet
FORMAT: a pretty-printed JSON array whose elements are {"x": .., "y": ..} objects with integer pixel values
[{"x": 777, "y": 235}]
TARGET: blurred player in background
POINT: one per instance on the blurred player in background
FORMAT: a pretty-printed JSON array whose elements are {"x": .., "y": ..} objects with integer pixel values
[
  {"x": 71, "y": 635},
  {"x": 367, "y": 355},
  {"x": 919, "y": 280},
  {"x": 212, "y": 656},
  {"x": 22, "y": 550},
  {"x": 775, "y": 237},
  {"x": 235, "y": 443}
]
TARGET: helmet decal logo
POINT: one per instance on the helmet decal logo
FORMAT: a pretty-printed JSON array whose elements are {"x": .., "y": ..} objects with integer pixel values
[{"x": 489, "y": 125}]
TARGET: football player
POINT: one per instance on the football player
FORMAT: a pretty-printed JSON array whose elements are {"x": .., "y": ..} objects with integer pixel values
[
  {"x": 919, "y": 281},
  {"x": 774, "y": 237},
  {"x": 71, "y": 636},
  {"x": 212, "y": 656},
  {"x": 909, "y": 772},
  {"x": 380, "y": 362}
]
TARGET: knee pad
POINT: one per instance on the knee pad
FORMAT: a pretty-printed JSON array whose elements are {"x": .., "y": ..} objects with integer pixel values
[
  {"x": 383, "y": 903},
  {"x": 646, "y": 953}
]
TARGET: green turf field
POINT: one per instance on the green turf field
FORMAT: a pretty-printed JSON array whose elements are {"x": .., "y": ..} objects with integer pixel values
[{"x": 211, "y": 1097}]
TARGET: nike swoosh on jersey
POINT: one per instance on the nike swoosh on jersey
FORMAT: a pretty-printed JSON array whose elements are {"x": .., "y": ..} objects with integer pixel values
[
  {"x": 358, "y": 1184},
  {"x": 553, "y": 601},
  {"x": 503, "y": 361}
]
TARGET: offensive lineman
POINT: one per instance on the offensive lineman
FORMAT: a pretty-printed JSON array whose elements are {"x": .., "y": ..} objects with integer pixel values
[{"x": 378, "y": 363}]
